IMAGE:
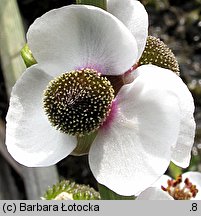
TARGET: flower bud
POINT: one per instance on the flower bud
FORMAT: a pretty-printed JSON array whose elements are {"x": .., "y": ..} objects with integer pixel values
[
  {"x": 66, "y": 190},
  {"x": 27, "y": 56}
]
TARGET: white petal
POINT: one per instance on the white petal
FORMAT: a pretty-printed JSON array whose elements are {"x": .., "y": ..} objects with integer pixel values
[
  {"x": 153, "y": 193},
  {"x": 135, "y": 150},
  {"x": 195, "y": 178},
  {"x": 78, "y": 36},
  {"x": 133, "y": 14},
  {"x": 162, "y": 181},
  {"x": 30, "y": 138},
  {"x": 181, "y": 152}
]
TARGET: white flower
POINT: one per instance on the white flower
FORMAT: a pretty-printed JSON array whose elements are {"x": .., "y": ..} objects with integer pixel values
[
  {"x": 187, "y": 186},
  {"x": 151, "y": 119}
]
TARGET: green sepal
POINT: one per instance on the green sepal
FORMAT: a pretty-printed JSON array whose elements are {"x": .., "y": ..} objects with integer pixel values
[
  {"x": 84, "y": 144},
  {"x": 27, "y": 56},
  {"x": 107, "y": 194},
  {"x": 98, "y": 3},
  {"x": 78, "y": 191},
  {"x": 157, "y": 53}
]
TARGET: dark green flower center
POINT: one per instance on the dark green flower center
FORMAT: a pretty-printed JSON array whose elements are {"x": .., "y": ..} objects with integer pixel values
[{"x": 78, "y": 102}]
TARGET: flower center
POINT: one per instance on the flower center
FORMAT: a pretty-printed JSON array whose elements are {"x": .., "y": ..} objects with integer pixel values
[
  {"x": 178, "y": 192},
  {"x": 78, "y": 102}
]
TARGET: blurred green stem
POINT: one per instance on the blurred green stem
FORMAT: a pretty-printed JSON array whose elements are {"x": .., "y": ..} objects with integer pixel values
[
  {"x": 98, "y": 3},
  {"x": 107, "y": 194}
]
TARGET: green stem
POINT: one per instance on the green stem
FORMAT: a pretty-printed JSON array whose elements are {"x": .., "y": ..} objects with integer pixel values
[
  {"x": 98, "y": 3},
  {"x": 84, "y": 144},
  {"x": 107, "y": 194}
]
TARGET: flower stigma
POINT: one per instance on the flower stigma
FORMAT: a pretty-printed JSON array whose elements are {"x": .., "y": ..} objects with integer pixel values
[
  {"x": 78, "y": 102},
  {"x": 178, "y": 192}
]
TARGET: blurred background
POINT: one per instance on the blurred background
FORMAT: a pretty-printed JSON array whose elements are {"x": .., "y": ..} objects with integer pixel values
[{"x": 176, "y": 22}]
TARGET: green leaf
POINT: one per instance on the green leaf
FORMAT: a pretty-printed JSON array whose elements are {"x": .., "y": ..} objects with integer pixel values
[
  {"x": 98, "y": 3},
  {"x": 107, "y": 194},
  {"x": 27, "y": 56},
  {"x": 174, "y": 170}
]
